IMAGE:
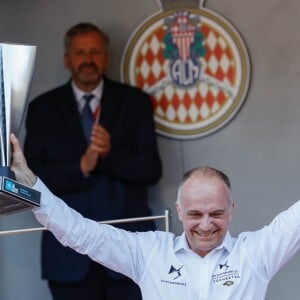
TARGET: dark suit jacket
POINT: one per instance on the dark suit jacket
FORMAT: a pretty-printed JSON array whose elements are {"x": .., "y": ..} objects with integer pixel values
[{"x": 117, "y": 188}]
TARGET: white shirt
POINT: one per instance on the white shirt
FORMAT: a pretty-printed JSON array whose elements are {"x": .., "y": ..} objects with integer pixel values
[{"x": 165, "y": 267}]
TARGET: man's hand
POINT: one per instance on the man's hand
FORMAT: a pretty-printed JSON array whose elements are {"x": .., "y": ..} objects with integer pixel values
[
  {"x": 99, "y": 147},
  {"x": 19, "y": 165}
]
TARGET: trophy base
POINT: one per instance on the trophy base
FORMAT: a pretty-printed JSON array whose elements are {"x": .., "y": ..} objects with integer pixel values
[{"x": 16, "y": 197}]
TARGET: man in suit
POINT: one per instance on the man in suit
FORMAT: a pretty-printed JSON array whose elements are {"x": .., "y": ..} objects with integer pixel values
[{"x": 103, "y": 175}]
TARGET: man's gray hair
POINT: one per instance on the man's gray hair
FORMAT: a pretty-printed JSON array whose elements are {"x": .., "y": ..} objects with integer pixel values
[{"x": 82, "y": 28}]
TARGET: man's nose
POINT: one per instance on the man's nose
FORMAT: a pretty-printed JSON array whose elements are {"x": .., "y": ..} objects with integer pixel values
[
  {"x": 205, "y": 223},
  {"x": 88, "y": 56}
]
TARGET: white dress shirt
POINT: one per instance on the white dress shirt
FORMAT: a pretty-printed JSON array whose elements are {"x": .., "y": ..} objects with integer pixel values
[{"x": 165, "y": 267}]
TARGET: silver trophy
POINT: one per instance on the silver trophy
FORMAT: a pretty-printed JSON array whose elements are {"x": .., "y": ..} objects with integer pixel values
[{"x": 16, "y": 70}]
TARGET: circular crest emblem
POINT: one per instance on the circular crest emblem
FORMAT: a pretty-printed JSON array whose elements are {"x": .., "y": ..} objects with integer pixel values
[{"x": 194, "y": 65}]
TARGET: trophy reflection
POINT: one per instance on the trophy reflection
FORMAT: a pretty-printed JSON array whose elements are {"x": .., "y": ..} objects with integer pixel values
[{"x": 16, "y": 70}]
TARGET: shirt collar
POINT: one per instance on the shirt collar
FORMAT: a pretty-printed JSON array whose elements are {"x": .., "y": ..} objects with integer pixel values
[
  {"x": 182, "y": 244},
  {"x": 97, "y": 92}
]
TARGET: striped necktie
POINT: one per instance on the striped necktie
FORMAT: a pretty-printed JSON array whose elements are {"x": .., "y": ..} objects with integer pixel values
[{"x": 87, "y": 118}]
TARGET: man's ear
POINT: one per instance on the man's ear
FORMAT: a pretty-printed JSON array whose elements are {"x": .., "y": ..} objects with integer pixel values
[
  {"x": 231, "y": 210},
  {"x": 179, "y": 211}
]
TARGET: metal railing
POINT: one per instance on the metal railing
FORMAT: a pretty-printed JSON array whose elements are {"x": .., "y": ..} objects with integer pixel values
[{"x": 166, "y": 216}]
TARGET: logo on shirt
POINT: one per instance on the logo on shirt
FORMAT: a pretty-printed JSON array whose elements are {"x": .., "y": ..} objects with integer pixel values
[
  {"x": 225, "y": 265},
  {"x": 174, "y": 271},
  {"x": 226, "y": 276},
  {"x": 228, "y": 283}
]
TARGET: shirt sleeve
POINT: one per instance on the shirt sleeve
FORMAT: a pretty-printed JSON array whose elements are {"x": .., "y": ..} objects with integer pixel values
[
  {"x": 270, "y": 248},
  {"x": 114, "y": 248}
]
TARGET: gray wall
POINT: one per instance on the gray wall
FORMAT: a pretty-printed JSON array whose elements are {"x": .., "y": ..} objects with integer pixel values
[{"x": 258, "y": 148}]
